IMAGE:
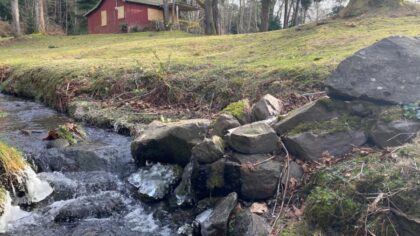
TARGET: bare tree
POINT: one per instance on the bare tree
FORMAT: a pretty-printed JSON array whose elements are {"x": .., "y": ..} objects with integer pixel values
[
  {"x": 166, "y": 13},
  {"x": 286, "y": 14},
  {"x": 265, "y": 15},
  {"x": 39, "y": 15},
  {"x": 14, "y": 5}
]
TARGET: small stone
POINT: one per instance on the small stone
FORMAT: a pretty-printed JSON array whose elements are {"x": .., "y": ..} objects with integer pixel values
[
  {"x": 58, "y": 143},
  {"x": 223, "y": 123},
  {"x": 253, "y": 138},
  {"x": 208, "y": 151},
  {"x": 267, "y": 107}
]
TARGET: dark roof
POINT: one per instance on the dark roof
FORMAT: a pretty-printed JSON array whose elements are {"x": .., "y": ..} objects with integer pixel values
[{"x": 156, "y": 3}]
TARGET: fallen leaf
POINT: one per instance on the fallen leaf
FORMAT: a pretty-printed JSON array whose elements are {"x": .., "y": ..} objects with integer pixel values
[{"x": 258, "y": 208}]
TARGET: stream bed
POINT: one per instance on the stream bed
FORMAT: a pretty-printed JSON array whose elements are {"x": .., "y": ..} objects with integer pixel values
[{"x": 91, "y": 193}]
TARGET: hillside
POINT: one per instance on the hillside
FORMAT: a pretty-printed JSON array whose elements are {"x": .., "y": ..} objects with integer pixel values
[{"x": 173, "y": 69}]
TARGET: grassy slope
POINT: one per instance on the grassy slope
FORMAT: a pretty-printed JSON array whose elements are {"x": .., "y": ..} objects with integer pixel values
[{"x": 216, "y": 69}]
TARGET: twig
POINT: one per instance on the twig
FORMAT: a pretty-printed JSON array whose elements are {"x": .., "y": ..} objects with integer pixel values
[
  {"x": 285, "y": 188},
  {"x": 264, "y": 161}
]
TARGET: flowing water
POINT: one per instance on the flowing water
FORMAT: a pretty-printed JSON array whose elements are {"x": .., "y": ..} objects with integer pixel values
[{"x": 91, "y": 195}]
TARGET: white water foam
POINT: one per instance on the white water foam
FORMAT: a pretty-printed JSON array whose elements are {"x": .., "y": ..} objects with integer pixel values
[
  {"x": 38, "y": 189},
  {"x": 10, "y": 214}
]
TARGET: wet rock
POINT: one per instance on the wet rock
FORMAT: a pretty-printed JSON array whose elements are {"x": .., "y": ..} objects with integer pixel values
[
  {"x": 58, "y": 143},
  {"x": 97, "y": 156},
  {"x": 171, "y": 143},
  {"x": 246, "y": 223},
  {"x": 209, "y": 179},
  {"x": 241, "y": 110},
  {"x": 184, "y": 192},
  {"x": 295, "y": 171},
  {"x": 76, "y": 184},
  {"x": 309, "y": 146},
  {"x": 387, "y": 71},
  {"x": 208, "y": 151},
  {"x": 260, "y": 182},
  {"x": 223, "y": 123},
  {"x": 267, "y": 107},
  {"x": 54, "y": 160},
  {"x": 155, "y": 182},
  {"x": 98, "y": 206},
  {"x": 253, "y": 138},
  {"x": 216, "y": 223},
  {"x": 394, "y": 133}
]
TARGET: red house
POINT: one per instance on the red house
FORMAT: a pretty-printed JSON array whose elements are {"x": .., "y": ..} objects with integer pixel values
[{"x": 113, "y": 16}]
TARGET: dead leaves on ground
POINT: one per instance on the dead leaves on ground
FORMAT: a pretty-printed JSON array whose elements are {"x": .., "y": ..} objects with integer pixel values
[{"x": 258, "y": 208}]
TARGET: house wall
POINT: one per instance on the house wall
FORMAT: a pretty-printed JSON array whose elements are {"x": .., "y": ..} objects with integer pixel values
[{"x": 136, "y": 15}]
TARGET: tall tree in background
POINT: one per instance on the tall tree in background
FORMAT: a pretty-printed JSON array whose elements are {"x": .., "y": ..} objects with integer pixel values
[
  {"x": 39, "y": 15},
  {"x": 286, "y": 14},
  {"x": 14, "y": 7},
  {"x": 166, "y": 13},
  {"x": 265, "y": 15}
]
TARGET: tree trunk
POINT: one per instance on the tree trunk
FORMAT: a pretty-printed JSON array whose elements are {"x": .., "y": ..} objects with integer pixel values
[
  {"x": 296, "y": 13},
  {"x": 216, "y": 17},
  {"x": 208, "y": 18},
  {"x": 265, "y": 13},
  {"x": 286, "y": 14},
  {"x": 165, "y": 13},
  {"x": 39, "y": 16},
  {"x": 14, "y": 6}
]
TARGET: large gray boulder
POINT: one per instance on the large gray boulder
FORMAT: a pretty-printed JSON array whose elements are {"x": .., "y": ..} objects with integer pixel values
[
  {"x": 268, "y": 106},
  {"x": 394, "y": 133},
  {"x": 253, "y": 138},
  {"x": 257, "y": 182},
  {"x": 246, "y": 223},
  {"x": 309, "y": 146},
  {"x": 223, "y": 123},
  {"x": 387, "y": 71},
  {"x": 156, "y": 182},
  {"x": 208, "y": 151},
  {"x": 216, "y": 224},
  {"x": 169, "y": 143}
]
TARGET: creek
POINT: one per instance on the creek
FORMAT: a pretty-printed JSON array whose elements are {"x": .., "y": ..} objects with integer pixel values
[{"x": 91, "y": 194}]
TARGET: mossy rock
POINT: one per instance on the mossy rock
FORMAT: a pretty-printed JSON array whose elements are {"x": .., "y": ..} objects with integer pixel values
[
  {"x": 327, "y": 208},
  {"x": 339, "y": 195},
  {"x": 241, "y": 110}
]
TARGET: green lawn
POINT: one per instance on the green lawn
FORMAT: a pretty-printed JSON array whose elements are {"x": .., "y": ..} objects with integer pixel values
[{"x": 189, "y": 69}]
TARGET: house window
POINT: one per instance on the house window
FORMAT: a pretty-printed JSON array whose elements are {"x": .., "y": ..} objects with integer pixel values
[
  {"x": 104, "y": 18},
  {"x": 120, "y": 11},
  {"x": 154, "y": 14}
]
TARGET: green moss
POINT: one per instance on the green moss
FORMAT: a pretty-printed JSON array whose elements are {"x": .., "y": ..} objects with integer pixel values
[
  {"x": 238, "y": 109},
  {"x": 328, "y": 208},
  {"x": 341, "y": 124},
  {"x": 215, "y": 178},
  {"x": 3, "y": 114},
  {"x": 392, "y": 113},
  {"x": 64, "y": 133}
]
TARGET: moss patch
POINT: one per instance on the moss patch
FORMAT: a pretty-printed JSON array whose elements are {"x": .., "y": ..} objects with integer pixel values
[
  {"x": 341, "y": 124},
  {"x": 11, "y": 160},
  {"x": 339, "y": 195},
  {"x": 238, "y": 109}
]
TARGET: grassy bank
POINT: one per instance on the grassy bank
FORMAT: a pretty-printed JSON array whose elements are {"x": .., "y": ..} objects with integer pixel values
[{"x": 156, "y": 72}]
